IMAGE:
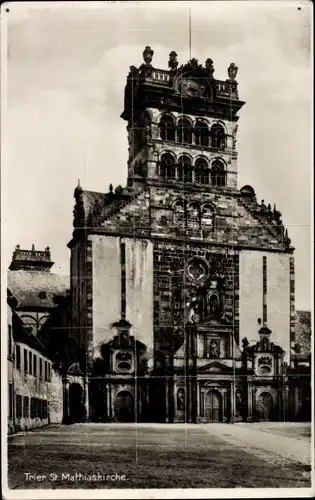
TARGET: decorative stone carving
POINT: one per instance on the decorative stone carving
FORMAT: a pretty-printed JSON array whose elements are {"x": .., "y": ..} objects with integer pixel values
[
  {"x": 173, "y": 63},
  {"x": 214, "y": 349},
  {"x": 181, "y": 399},
  {"x": 232, "y": 72},
  {"x": 209, "y": 66},
  {"x": 265, "y": 360},
  {"x": 147, "y": 55}
]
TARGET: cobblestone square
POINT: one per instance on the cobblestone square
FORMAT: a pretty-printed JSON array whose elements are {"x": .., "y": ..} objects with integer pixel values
[{"x": 161, "y": 456}]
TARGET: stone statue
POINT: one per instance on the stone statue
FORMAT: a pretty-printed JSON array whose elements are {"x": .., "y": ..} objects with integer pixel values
[
  {"x": 209, "y": 66},
  {"x": 245, "y": 343},
  {"x": 213, "y": 306},
  {"x": 181, "y": 399},
  {"x": 214, "y": 349},
  {"x": 232, "y": 71},
  {"x": 148, "y": 55},
  {"x": 173, "y": 63}
]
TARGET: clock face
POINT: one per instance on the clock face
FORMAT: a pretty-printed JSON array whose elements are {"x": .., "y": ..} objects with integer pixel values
[{"x": 189, "y": 88}]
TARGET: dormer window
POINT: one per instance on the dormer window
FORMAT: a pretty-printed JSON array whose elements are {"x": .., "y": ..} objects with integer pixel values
[{"x": 42, "y": 295}]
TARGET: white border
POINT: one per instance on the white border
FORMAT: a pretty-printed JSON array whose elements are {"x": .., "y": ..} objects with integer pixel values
[{"x": 112, "y": 493}]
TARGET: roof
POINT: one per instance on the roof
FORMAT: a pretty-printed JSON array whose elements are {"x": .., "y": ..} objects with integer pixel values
[
  {"x": 26, "y": 286},
  {"x": 21, "y": 335},
  {"x": 240, "y": 220}
]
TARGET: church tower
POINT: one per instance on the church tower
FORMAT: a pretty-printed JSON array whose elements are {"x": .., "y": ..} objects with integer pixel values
[{"x": 182, "y": 124}]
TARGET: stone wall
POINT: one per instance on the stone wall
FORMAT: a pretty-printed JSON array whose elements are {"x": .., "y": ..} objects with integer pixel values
[
  {"x": 170, "y": 284},
  {"x": 55, "y": 397},
  {"x": 107, "y": 288},
  {"x": 278, "y": 296}
]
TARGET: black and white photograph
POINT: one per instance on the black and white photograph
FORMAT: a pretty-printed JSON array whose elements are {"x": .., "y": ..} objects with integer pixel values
[{"x": 157, "y": 249}]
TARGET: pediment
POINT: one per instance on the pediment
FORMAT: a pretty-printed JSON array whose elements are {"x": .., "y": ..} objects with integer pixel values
[
  {"x": 215, "y": 367},
  {"x": 222, "y": 322}
]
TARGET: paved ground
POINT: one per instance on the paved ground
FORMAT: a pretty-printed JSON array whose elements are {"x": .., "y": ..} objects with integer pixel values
[{"x": 162, "y": 456}]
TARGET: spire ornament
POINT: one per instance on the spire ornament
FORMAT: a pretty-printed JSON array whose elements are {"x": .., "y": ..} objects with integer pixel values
[
  {"x": 148, "y": 55},
  {"x": 232, "y": 72},
  {"x": 172, "y": 62},
  {"x": 209, "y": 66}
]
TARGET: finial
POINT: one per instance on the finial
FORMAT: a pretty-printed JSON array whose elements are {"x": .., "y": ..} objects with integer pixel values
[
  {"x": 232, "y": 72},
  {"x": 33, "y": 247},
  {"x": 259, "y": 321},
  {"x": 17, "y": 247},
  {"x": 172, "y": 62},
  {"x": 209, "y": 66},
  {"x": 147, "y": 55},
  {"x": 110, "y": 188},
  {"x": 47, "y": 249},
  {"x": 269, "y": 207}
]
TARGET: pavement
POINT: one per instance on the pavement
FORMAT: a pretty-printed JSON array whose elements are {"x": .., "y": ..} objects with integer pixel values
[
  {"x": 266, "y": 441},
  {"x": 245, "y": 455}
]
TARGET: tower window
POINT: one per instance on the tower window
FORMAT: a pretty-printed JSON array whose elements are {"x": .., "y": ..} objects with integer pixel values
[
  {"x": 217, "y": 137},
  {"x": 179, "y": 213},
  {"x": 184, "y": 169},
  {"x": 193, "y": 215},
  {"x": 201, "y": 134},
  {"x": 207, "y": 216},
  {"x": 202, "y": 173},
  {"x": 167, "y": 167},
  {"x": 184, "y": 131},
  {"x": 167, "y": 128},
  {"x": 218, "y": 175}
]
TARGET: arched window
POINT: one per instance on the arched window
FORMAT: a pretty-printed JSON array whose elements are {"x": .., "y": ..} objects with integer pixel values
[
  {"x": 201, "y": 134},
  {"x": 184, "y": 131},
  {"x": 167, "y": 128},
  {"x": 184, "y": 169},
  {"x": 207, "y": 214},
  {"x": 167, "y": 167},
  {"x": 218, "y": 175},
  {"x": 202, "y": 172},
  {"x": 179, "y": 213},
  {"x": 217, "y": 137},
  {"x": 193, "y": 215}
]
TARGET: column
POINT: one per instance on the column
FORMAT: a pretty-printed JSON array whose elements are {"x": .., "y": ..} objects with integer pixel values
[
  {"x": 86, "y": 399},
  {"x": 232, "y": 401},
  {"x": 198, "y": 400},
  {"x": 249, "y": 402}
]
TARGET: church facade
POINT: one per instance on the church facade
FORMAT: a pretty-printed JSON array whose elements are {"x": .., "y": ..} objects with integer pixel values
[{"x": 182, "y": 284}]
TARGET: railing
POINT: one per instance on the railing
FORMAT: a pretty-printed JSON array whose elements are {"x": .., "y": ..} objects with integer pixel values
[{"x": 159, "y": 75}]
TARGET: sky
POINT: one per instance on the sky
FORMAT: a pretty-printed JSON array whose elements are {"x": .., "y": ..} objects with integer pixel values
[{"x": 64, "y": 80}]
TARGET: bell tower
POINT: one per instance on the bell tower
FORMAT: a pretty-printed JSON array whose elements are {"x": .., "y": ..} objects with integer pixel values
[{"x": 182, "y": 124}]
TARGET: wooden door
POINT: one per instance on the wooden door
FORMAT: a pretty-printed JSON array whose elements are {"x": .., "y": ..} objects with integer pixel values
[{"x": 213, "y": 406}]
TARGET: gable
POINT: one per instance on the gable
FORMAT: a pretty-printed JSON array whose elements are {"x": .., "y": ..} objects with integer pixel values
[{"x": 215, "y": 367}]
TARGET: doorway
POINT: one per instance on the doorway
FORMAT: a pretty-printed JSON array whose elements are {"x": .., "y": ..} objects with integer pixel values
[
  {"x": 124, "y": 407},
  {"x": 213, "y": 406},
  {"x": 76, "y": 406},
  {"x": 265, "y": 406}
]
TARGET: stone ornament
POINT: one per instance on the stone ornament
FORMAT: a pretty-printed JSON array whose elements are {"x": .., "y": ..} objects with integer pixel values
[
  {"x": 232, "y": 72},
  {"x": 173, "y": 63},
  {"x": 209, "y": 66},
  {"x": 148, "y": 55}
]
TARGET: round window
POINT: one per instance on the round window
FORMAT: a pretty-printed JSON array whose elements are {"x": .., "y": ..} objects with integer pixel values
[
  {"x": 264, "y": 370},
  {"x": 124, "y": 367}
]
